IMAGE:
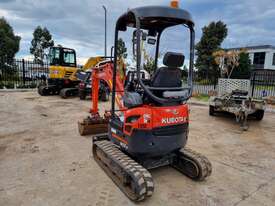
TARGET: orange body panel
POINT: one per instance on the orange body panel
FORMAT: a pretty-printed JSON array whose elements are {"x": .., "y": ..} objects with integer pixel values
[
  {"x": 149, "y": 117},
  {"x": 94, "y": 92}
]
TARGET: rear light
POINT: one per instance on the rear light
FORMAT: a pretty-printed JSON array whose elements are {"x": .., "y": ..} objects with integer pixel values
[{"x": 66, "y": 81}]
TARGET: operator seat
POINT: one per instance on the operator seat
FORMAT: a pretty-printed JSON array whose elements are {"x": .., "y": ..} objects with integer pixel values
[
  {"x": 170, "y": 75},
  {"x": 167, "y": 76}
]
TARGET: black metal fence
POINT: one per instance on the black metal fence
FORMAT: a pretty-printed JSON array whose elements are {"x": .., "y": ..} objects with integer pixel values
[
  {"x": 20, "y": 73},
  {"x": 262, "y": 82}
]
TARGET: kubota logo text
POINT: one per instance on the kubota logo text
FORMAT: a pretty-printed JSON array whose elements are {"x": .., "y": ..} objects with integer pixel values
[{"x": 172, "y": 120}]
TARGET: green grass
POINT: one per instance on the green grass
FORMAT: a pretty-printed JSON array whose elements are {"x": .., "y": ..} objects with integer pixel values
[
  {"x": 258, "y": 87},
  {"x": 202, "y": 97}
]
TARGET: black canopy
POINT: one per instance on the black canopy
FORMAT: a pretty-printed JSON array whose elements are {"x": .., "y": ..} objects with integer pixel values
[{"x": 155, "y": 17}]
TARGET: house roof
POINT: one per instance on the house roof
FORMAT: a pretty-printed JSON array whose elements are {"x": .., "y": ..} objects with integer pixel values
[{"x": 253, "y": 47}]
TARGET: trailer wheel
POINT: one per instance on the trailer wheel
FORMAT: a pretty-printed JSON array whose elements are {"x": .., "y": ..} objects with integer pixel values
[
  {"x": 259, "y": 114},
  {"x": 211, "y": 110}
]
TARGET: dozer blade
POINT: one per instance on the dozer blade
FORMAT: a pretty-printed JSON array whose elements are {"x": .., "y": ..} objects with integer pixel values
[{"x": 91, "y": 126}]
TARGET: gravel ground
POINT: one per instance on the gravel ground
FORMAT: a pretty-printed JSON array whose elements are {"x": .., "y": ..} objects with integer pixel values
[{"x": 44, "y": 161}]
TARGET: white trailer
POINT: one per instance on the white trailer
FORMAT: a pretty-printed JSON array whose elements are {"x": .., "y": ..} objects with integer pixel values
[{"x": 234, "y": 96}]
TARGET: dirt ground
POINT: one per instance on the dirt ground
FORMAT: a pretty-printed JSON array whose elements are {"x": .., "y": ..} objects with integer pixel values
[{"x": 44, "y": 161}]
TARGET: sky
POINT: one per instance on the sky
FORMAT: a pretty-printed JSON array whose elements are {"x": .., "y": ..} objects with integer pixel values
[{"x": 79, "y": 24}]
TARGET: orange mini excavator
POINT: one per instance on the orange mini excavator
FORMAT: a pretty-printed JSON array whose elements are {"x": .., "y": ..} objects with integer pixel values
[
  {"x": 94, "y": 123},
  {"x": 150, "y": 127}
]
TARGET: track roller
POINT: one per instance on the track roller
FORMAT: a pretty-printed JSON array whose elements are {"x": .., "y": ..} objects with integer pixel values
[
  {"x": 192, "y": 164},
  {"x": 132, "y": 179}
]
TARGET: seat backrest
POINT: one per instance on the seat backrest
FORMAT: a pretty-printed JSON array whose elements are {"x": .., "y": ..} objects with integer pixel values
[
  {"x": 170, "y": 75},
  {"x": 132, "y": 99}
]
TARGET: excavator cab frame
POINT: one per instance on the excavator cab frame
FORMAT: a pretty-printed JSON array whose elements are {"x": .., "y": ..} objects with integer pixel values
[
  {"x": 61, "y": 56},
  {"x": 154, "y": 19}
]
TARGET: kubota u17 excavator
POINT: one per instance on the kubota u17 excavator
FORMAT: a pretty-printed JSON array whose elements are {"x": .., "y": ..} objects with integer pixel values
[{"x": 150, "y": 129}]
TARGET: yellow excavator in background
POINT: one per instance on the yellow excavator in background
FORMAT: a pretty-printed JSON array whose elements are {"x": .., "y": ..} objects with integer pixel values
[{"x": 63, "y": 72}]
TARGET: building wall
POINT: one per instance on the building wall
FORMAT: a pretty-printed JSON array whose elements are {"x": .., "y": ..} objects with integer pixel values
[{"x": 268, "y": 57}]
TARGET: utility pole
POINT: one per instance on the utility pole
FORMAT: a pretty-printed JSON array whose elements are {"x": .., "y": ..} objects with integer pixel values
[{"x": 105, "y": 44}]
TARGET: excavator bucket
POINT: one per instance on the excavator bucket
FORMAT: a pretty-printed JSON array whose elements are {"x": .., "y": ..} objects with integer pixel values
[{"x": 91, "y": 125}]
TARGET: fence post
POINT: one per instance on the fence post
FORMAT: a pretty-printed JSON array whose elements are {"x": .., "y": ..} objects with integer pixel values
[
  {"x": 253, "y": 83},
  {"x": 215, "y": 82},
  {"x": 23, "y": 66}
]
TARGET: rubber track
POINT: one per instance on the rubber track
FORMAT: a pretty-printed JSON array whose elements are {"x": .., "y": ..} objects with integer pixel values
[
  {"x": 68, "y": 92},
  {"x": 43, "y": 90},
  {"x": 63, "y": 93},
  {"x": 203, "y": 165},
  {"x": 140, "y": 177}
]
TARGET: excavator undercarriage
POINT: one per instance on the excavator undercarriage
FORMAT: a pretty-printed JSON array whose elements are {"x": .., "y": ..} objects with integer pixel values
[{"x": 135, "y": 180}]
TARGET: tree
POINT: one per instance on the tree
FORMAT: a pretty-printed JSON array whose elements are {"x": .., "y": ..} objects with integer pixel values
[
  {"x": 9, "y": 43},
  {"x": 9, "y": 46},
  {"x": 121, "y": 49},
  {"x": 211, "y": 40},
  {"x": 42, "y": 40},
  {"x": 233, "y": 64},
  {"x": 243, "y": 69},
  {"x": 149, "y": 64},
  {"x": 227, "y": 61}
]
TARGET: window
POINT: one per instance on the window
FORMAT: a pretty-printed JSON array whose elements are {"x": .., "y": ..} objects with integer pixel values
[
  {"x": 259, "y": 58},
  {"x": 54, "y": 55},
  {"x": 273, "y": 62},
  {"x": 69, "y": 57}
]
